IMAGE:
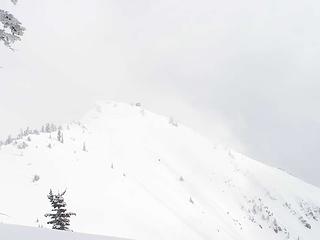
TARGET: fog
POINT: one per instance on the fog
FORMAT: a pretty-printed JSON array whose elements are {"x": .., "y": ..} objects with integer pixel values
[{"x": 241, "y": 73}]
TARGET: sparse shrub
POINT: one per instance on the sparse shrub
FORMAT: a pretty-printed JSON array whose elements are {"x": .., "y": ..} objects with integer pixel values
[
  {"x": 84, "y": 147},
  {"x": 36, "y": 178},
  {"x": 22, "y": 145},
  {"x": 173, "y": 122}
]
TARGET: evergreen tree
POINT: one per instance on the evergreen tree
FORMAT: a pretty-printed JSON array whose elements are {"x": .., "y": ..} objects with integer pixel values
[
  {"x": 20, "y": 135},
  {"x": 60, "y": 136},
  {"x": 47, "y": 128},
  {"x": 60, "y": 217},
  {"x": 9, "y": 140},
  {"x": 11, "y": 29},
  {"x": 54, "y": 127}
]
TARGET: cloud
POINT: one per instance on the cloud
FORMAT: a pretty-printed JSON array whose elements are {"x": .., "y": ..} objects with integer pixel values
[{"x": 242, "y": 72}]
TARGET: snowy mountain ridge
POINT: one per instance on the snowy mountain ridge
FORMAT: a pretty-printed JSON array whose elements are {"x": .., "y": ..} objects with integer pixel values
[{"x": 134, "y": 174}]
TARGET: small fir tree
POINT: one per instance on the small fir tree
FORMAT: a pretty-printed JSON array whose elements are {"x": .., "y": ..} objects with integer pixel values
[
  {"x": 9, "y": 140},
  {"x": 60, "y": 136},
  {"x": 47, "y": 128},
  {"x": 60, "y": 218}
]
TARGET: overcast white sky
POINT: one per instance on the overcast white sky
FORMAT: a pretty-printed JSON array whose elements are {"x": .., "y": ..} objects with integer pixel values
[{"x": 244, "y": 73}]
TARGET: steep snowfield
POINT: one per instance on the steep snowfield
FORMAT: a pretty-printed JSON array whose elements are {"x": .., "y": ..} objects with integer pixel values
[{"x": 144, "y": 176}]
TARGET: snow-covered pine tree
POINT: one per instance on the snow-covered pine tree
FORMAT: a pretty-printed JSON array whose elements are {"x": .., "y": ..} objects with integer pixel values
[
  {"x": 11, "y": 29},
  {"x": 60, "y": 218},
  {"x": 9, "y": 140},
  {"x": 54, "y": 127},
  {"x": 47, "y": 128},
  {"x": 60, "y": 136}
]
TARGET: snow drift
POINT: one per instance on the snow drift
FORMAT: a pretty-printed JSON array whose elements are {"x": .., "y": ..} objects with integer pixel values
[{"x": 13, "y": 232}]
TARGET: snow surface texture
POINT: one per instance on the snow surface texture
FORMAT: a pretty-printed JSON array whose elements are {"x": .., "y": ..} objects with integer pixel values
[
  {"x": 134, "y": 174},
  {"x": 12, "y": 232}
]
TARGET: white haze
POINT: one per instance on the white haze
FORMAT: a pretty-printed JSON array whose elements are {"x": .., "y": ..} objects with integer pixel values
[{"x": 240, "y": 72}]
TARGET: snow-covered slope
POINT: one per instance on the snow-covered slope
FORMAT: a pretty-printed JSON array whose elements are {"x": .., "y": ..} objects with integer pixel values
[
  {"x": 14, "y": 232},
  {"x": 131, "y": 173}
]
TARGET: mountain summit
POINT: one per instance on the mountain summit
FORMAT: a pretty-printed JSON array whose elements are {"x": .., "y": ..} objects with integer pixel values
[{"x": 131, "y": 173}]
